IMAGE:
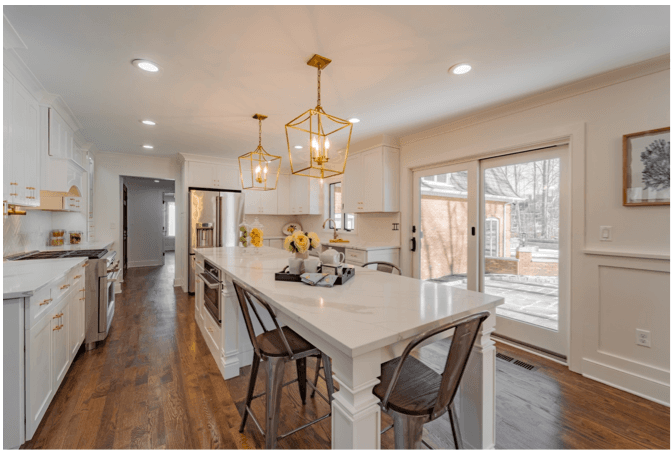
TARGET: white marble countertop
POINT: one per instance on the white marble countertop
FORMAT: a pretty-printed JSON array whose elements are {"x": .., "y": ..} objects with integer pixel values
[
  {"x": 372, "y": 310},
  {"x": 365, "y": 246},
  {"x": 24, "y": 278},
  {"x": 95, "y": 245}
]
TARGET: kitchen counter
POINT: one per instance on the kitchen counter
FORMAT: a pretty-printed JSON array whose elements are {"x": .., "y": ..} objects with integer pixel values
[
  {"x": 95, "y": 245},
  {"x": 365, "y": 246},
  {"x": 24, "y": 278}
]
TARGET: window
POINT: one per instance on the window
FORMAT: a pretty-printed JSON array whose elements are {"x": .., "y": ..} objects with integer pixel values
[
  {"x": 492, "y": 236},
  {"x": 335, "y": 209},
  {"x": 171, "y": 218}
]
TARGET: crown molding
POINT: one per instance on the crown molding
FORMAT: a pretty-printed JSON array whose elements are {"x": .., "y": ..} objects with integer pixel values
[
  {"x": 599, "y": 81},
  {"x": 189, "y": 157},
  {"x": 10, "y": 38},
  {"x": 374, "y": 142}
]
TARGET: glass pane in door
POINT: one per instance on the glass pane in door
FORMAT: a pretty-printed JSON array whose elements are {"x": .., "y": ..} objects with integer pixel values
[
  {"x": 444, "y": 228},
  {"x": 521, "y": 240}
]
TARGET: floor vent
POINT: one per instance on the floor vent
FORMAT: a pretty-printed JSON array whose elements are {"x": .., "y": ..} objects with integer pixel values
[
  {"x": 504, "y": 357},
  {"x": 523, "y": 364}
]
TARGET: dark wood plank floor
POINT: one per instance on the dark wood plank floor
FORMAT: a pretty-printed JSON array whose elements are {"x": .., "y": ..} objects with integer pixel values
[{"x": 154, "y": 384}]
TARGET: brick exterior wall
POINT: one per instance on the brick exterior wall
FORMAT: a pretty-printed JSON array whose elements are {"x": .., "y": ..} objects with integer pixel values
[
  {"x": 502, "y": 266},
  {"x": 445, "y": 234},
  {"x": 529, "y": 267}
]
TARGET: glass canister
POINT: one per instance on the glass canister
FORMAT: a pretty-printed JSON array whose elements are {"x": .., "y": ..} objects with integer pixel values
[
  {"x": 57, "y": 237},
  {"x": 75, "y": 237},
  {"x": 256, "y": 234},
  {"x": 243, "y": 238}
]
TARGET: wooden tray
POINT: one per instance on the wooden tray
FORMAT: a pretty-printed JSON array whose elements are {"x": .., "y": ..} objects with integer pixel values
[{"x": 285, "y": 276}]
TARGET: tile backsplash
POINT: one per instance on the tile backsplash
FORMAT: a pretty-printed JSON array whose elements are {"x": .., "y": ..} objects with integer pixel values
[
  {"x": 23, "y": 233},
  {"x": 371, "y": 228}
]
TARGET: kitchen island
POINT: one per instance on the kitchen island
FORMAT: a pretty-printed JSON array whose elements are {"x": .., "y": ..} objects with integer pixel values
[{"x": 360, "y": 325}]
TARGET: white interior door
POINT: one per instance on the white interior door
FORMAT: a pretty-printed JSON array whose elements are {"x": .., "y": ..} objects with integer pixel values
[{"x": 524, "y": 245}]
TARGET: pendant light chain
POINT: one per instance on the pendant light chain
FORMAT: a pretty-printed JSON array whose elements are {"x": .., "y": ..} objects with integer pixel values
[
  {"x": 259, "y": 131},
  {"x": 319, "y": 86}
]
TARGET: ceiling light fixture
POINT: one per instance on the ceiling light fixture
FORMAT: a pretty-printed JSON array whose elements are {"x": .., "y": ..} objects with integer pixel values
[
  {"x": 321, "y": 132},
  {"x": 298, "y": 147},
  {"x": 148, "y": 122},
  {"x": 461, "y": 68},
  {"x": 259, "y": 170},
  {"x": 354, "y": 120},
  {"x": 146, "y": 65},
  {"x": 156, "y": 180},
  {"x": 148, "y": 146}
]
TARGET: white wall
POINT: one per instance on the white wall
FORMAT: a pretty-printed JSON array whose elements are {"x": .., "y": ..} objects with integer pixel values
[
  {"x": 107, "y": 205},
  {"x": 169, "y": 241},
  {"x": 617, "y": 286}
]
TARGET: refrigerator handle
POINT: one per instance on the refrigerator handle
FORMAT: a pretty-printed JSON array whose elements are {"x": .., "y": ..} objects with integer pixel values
[{"x": 217, "y": 222}]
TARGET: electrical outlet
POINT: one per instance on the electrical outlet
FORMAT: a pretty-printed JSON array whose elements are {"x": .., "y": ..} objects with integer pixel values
[
  {"x": 605, "y": 234},
  {"x": 643, "y": 338}
]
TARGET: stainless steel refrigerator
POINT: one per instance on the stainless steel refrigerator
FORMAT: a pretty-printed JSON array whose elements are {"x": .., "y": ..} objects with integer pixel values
[{"x": 214, "y": 218}]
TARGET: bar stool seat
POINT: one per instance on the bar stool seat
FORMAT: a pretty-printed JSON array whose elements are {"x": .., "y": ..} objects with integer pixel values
[
  {"x": 416, "y": 391},
  {"x": 271, "y": 344}
]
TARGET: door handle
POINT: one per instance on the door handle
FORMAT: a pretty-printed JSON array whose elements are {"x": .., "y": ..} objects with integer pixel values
[{"x": 413, "y": 244}]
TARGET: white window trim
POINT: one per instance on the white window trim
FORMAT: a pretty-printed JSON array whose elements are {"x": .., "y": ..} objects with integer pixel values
[
  {"x": 498, "y": 232},
  {"x": 325, "y": 198}
]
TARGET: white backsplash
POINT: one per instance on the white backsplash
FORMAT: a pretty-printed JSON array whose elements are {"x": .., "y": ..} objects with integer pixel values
[
  {"x": 31, "y": 231},
  {"x": 23, "y": 233},
  {"x": 374, "y": 228},
  {"x": 272, "y": 224}
]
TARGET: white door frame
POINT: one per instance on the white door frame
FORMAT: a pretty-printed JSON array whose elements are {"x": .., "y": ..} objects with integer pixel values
[{"x": 557, "y": 342}]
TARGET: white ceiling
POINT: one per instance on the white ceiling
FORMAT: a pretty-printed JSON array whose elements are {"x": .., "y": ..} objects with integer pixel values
[{"x": 223, "y": 64}]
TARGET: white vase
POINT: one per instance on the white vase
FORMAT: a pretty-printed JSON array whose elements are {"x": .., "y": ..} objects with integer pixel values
[{"x": 295, "y": 266}]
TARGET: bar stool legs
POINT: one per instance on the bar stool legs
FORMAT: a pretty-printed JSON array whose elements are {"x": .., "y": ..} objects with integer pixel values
[
  {"x": 274, "y": 378},
  {"x": 408, "y": 430},
  {"x": 327, "y": 372},
  {"x": 250, "y": 390}
]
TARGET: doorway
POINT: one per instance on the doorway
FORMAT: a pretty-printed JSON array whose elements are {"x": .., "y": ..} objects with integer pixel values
[{"x": 501, "y": 226}]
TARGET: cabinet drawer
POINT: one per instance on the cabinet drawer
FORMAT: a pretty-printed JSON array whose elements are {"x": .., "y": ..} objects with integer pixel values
[
  {"x": 355, "y": 256},
  {"x": 212, "y": 332},
  {"x": 40, "y": 303},
  {"x": 61, "y": 287}
]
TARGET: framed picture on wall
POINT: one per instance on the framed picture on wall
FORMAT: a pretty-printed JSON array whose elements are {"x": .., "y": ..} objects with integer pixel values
[{"x": 646, "y": 168}]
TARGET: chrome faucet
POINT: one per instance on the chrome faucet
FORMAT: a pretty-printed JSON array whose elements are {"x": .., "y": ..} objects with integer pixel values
[{"x": 335, "y": 230}]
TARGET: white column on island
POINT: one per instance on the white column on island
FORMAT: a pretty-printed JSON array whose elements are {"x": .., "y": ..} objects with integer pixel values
[
  {"x": 355, "y": 419},
  {"x": 230, "y": 347},
  {"x": 477, "y": 405}
]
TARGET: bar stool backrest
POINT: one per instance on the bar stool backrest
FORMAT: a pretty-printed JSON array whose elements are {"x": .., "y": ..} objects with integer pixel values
[
  {"x": 465, "y": 332},
  {"x": 245, "y": 301},
  {"x": 384, "y": 266}
]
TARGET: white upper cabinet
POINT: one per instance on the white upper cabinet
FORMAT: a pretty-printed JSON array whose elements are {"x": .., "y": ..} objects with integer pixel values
[
  {"x": 20, "y": 144},
  {"x": 295, "y": 195},
  {"x": 371, "y": 181},
  {"x": 209, "y": 175},
  {"x": 283, "y": 190},
  {"x": 62, "y": 164}
]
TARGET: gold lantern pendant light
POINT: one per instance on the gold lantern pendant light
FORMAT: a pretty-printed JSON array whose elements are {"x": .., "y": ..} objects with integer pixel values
[
  {"x": 259, "y": 170},
  {"x": 318, "y": 142}
]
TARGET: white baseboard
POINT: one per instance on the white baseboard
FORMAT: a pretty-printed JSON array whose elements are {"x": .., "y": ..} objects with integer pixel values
[
  {"x": 178, "y": 282},
  {"x": 649, "y": 389},
  {"x": 146, "y": 263}
]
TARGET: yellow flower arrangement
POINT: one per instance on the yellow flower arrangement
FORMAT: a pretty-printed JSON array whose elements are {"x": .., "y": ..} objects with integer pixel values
[
  {"x": 314, "y": 240},
  {"x": 256, "y": 236},
  {"x": 301, "y": 242}
]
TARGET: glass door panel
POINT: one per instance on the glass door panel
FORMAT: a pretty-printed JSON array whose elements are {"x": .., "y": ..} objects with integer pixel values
[
  {"x": 522, "y": 239},
  {"x": 444, "y": 216}
]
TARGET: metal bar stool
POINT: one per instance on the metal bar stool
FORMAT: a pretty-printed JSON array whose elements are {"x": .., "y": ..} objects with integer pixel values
[
  {"x": 384, "y": 266},
  {"x": 274, "y": 348},
  {"x": 413, "y": 394}
]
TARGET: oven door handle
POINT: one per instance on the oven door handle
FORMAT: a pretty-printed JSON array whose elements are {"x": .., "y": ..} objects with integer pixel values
[
  {"x": 207, "y": 280},
  {"x": 115, "y": 276}
]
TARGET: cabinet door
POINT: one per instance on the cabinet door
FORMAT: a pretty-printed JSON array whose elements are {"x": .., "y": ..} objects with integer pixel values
[
  {"x": 201, "y": 175},
  {"x": 32, "y": 161},
  {"x": 60, "y": 357},
  {"x": 200, "y": 301},
  {"x": 73, "y": 324},
  {"x": 7, "y": 144},
  {"x": 269, "y": 205},
  {"x": 373, "y": 182},
  {"x": 252, "y": 202},
  {"x": 301, "y": 194},
  {"x": 54, "y": 134},
  {"x": 20, "y": 140},
  {"x": 284, "y": 195},
  {"x": 39, "y": 372},
  {"x": 352, "y": 185},
  {"x": 81, "y": 298}
]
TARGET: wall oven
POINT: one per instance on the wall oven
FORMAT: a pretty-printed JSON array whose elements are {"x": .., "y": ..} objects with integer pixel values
[{"x": 212, "y": 289}]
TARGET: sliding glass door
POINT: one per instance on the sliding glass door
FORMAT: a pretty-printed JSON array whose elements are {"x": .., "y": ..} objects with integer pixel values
[{"x": 500, "y": 226}]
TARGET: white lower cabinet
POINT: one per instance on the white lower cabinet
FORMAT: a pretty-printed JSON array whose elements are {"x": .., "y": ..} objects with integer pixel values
[
  {"x": 52, "y": 339},
  {"x": 360, "y": 257}
]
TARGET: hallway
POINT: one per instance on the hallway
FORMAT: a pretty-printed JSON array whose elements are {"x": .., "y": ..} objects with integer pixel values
[{"x": 154, "y": 384}]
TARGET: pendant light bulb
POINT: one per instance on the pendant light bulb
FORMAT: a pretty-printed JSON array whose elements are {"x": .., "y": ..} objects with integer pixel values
[{"x": 327, "y": 144}]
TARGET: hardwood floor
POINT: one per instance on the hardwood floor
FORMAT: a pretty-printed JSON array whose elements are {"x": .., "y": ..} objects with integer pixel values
[{"x": 154, "y": 384}]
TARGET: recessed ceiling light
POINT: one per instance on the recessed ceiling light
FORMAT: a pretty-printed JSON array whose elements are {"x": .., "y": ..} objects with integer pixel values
[
  {"x": 461, "y": 68},
  {"x": 156, "y": 180},
  {"x": 148, "y": 122},
  {"x": 147, "y": 146},
  {"x": 146, "y": 65},
  {"x": 354, "y": 120},
  {"x": 298, "y": 147}
]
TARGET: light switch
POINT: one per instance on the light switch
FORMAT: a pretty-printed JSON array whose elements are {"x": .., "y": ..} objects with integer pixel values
[{"x": 605, "y": 233}]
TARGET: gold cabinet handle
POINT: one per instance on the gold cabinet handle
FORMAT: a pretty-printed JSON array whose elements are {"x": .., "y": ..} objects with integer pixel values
[
  {"x": 209, "y": 329},
  {"x": 45, "y": 301},
  {"x": 13, "y": 184},
  {"x": 65, "y": 286},
  {"x": 58, "y": 316},
  {"x": 77, "y": 276},
  {"x": 14, "y": 194},
  {"x": 58, "y": 327},
  {"x": 82, "y": 298},
  {"x": 82, "y": 290},
  {"x": 85, "y": 264}
]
